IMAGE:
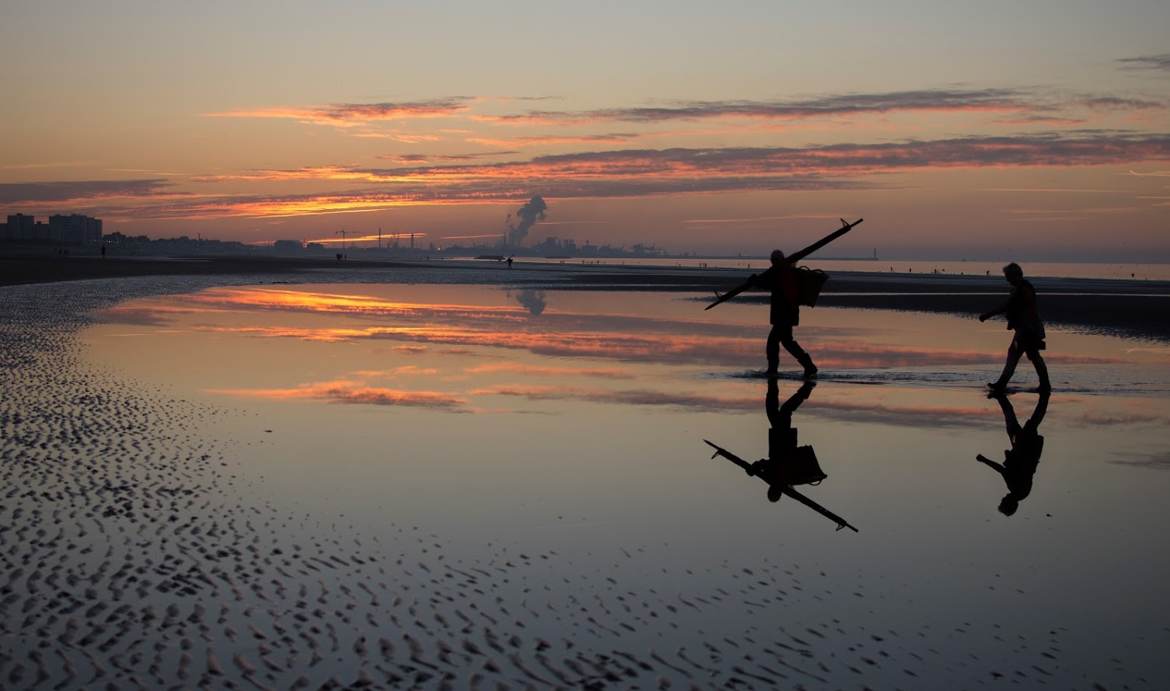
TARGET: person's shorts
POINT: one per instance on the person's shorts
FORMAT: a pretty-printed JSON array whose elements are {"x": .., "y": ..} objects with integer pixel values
[
  {"x": 1025, "y": 341},
  {"x": 782, "y": 332}
]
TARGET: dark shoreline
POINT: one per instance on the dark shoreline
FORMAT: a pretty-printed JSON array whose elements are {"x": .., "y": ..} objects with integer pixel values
[{"x": 1136, "y": 308}]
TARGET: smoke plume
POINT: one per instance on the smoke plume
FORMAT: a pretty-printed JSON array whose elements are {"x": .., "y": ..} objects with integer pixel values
[
  {"x": 526, "y": 217},
  {"x": 533, "y": 300}
]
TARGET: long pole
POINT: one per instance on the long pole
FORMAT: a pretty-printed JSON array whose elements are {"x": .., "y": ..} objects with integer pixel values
[{"x": 791, "y": 259}]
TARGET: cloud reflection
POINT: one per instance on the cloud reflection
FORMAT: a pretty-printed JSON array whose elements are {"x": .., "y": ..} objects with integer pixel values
[{"x": 353, "y": 392}]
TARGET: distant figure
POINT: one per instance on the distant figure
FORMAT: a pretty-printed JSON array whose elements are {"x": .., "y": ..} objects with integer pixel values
[
  {"x": 782, "y": 281},
  {"x": 339, "y": 256},
  {"x": 1020, "y": 461},
  {"x": 509, "y": 262},
  {"x": 103, "y": 251},
  {"x": 1023, "y": 317}
]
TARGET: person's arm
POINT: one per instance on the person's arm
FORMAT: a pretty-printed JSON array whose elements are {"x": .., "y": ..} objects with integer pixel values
[
  {"x": 762, "y": 279},
  {"x": 997, "y": 467},
  {"x": 752, "y": 281},
  {"x": 998, "y": 310}
]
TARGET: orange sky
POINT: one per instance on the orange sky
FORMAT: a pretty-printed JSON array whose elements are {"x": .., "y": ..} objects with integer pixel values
[{"x": 1040, "y": 134}]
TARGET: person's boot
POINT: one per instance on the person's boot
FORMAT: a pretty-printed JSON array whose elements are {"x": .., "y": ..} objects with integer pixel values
[
  {"x": 1042, "y": 372},
  {"x": 810, "y": 369}
]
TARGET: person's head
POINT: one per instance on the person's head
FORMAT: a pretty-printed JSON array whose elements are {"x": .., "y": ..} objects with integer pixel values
[
  {"x": 1013, "y": 273},
  {"x": 1008, "y": 505},
  {"x": 777, "y": 257}
]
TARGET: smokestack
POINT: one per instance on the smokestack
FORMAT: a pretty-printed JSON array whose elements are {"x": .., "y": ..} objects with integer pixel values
[{"x": 527, "y": 216}]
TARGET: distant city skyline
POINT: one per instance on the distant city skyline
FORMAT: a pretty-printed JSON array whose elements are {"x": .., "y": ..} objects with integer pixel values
[{"x": 1039, "y": 130}]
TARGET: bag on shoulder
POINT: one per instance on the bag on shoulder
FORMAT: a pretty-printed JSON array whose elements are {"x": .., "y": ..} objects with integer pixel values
[{"x": 809, "y": 283}]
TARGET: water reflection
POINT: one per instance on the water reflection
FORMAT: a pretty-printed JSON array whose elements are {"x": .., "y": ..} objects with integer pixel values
[
  {"x": 788, "y": 464},
  {"x": 1019, "y": 462}
]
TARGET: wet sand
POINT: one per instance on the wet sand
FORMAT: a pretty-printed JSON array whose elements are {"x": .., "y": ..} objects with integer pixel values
[{"x": 145, "y": 546}]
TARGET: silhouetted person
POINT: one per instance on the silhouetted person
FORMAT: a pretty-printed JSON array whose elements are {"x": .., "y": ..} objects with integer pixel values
[
  {"x": 1023, "y": 317},
  {"x": 781, "y": 280},
  {"x": 103, "y": 251},
  {"x": 509, "y": 262},
  {"x": 1020, "y": 461}
]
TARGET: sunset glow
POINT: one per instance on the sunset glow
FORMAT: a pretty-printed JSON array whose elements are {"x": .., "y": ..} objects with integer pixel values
[{"x": 805, "y": 129}]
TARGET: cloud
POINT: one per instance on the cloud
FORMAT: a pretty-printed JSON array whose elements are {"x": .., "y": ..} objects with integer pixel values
[
  {"x": 562, "y": 333},
  {"x": 18, "y": 192},
  {"x": 401, "y": 371},
  {"x": 545, "y": 371},
  {"x": 823, "y": 106},
  {"x": 845, "y": 410},
  {"x": 1154, "y": 461},
  {"x": 878, "y": 412},
  {"x": 545, "y": 140},
  {"x": 1109, "y": 418},
  {"x": 1035, "y": 119},
  {"x": 627, "y": 173},
  {"x": 639, "y": 397},
  {"x": 1119, "y": 103},
  {"x": 353, "y": 392},
  {"x": 638, "y": 166},
  {"x": 662, "y": 349},
  {"x": 1147, "y": 62},
  {"x": 402, "y": 137},
  {"x": 349, "y": 114},
  {"x": 447, "y": 158},
  {"x": 756, "y": 219}
]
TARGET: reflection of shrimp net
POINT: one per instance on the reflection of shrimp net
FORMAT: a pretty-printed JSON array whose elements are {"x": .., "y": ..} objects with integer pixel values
[{"x": 804, "y": 469}]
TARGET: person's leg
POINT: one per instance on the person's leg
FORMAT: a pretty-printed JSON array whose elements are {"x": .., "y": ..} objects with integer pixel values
[
  {"x": 1009, "y": 367},
  {"x": 1041, "y": 367},
  {"x": 772, "y": 349},
  {"x": 1010, "y": 421},
  {"x": 799, "y": 353}
]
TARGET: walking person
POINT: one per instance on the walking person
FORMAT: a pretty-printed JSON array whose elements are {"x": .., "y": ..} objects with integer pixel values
[
  {"x": 790, "y": 287},
  {"x": 1023, "y": 317},
  {"x": 781, "y": 280}
]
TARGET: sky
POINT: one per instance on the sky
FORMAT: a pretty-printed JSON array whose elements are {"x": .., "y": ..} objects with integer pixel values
[{"x": 1036, "y": 130}]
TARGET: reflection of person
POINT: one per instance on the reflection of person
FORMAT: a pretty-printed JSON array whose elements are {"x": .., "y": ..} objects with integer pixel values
[
  {"x": 781, "y": 280},
  {"x": 1023, "y": 317},
  {"x": 787, "y": 463},
  {"x": 1020, "y": 461}
]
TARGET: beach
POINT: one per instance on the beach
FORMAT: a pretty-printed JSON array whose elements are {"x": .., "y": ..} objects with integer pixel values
[
  {"x": 642, "y": 346},
  {"x": 415, "y": 476}
]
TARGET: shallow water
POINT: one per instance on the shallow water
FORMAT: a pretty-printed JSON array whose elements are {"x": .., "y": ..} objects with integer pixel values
[
  {"x": 561, "y": 435},
  {"x": 1114, "y": 270}
]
